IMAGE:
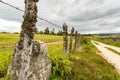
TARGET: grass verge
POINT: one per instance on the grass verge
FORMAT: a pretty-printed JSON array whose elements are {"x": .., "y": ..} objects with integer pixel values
[
  {"x": 110, "y": 42},
  {"x": 113, "y": 50}
]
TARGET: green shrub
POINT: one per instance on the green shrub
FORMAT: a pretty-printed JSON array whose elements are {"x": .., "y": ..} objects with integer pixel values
[
  {"x": 85, "y": 40},
  {"x": 61, "y": 66}
]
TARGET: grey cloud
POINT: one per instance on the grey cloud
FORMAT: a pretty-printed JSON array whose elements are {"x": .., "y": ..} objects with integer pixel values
[
  {"x": 9, "y": 13},
  {"x": 112, "y": 11},
  {"x": 95, "y": 14},
  {"x": 88, "y": 15},
  {"x": 113, "y": 24},
  {"x": 104, "y": 24},
  {"x": 90, "y": 2}
]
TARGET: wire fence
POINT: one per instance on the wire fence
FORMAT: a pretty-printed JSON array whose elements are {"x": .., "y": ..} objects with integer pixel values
[
  {"x": 23, "y": 11},
  {"x": 42, "y": 19}
]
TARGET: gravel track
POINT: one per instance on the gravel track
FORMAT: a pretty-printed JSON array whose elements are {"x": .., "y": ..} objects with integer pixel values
[{"x": 110, "y": 56}]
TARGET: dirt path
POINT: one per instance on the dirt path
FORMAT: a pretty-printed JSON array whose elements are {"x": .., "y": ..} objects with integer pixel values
[
  {"x": 110, "y": 56},
  {"x": 54, "y": 42},
  {"x": 6, "y": 47}
]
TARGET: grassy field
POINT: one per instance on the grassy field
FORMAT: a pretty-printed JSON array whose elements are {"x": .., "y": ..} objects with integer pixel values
[
  {"x": 11, "y": 39},
  {"x": 85, "y": 64},
  {"x": 110, "y": 42}
]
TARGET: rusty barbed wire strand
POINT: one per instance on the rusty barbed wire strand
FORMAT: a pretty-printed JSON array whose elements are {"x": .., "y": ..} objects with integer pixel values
[{"x": 23, "y": 11}]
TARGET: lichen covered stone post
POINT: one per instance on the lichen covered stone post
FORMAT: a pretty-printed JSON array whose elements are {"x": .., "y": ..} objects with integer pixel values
[
  {"x": 30, "y": 60},
  {"x": 76, "y": 36},
  {"x": 71, "y": 39},
  {"x": 78, "y": 40},
  {"x": 65, "y": 39}
]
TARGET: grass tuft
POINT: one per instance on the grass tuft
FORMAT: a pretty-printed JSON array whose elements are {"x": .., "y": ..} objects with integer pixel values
[{"x": 113, "y": 50}]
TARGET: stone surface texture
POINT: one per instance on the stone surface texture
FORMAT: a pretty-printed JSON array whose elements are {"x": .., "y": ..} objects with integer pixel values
[{"x": 30, "y": 60}]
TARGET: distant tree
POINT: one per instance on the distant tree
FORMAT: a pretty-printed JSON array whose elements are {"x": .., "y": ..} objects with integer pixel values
[
  {"x": 15, "y": 33},
  {"x": 41, "y": 32},
  {"x": 53, "y": 32},
  {"x": 60, "y": 32},
  {"x": 5, "y": 32},
  {"x": 46, "y": 31}
]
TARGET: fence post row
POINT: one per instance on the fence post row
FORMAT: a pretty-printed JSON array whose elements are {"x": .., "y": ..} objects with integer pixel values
[
  {"x": 71, "y": 39},
  {"x": 65, "y": 39}
]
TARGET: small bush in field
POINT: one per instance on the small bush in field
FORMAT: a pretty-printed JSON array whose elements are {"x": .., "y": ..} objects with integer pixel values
[
  {"x": 61, "y": 66},
  {"x": 85, "y": 40}
]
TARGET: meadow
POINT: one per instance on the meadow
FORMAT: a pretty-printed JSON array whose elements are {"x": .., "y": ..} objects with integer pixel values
[
  {"x": 113, "y": 40},
  {"x": 84, "y": 64},
  {"x": 11, "y": 39}
]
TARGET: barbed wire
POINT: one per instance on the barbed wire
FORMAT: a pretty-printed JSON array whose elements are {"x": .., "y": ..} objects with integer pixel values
[
  {"x": 37, "y": 17},
  {"x": 11, "y": 6},
  {"x": 23, "y": 11}
]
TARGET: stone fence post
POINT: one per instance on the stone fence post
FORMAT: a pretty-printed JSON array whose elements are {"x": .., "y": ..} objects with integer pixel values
[
  {"x": 78, "y": 40},
  {"x": 71, "y": 39},
  {"x": 75, "y": 45},
  {"x": 30, "y": 60},
  {"x": 65, "y": 39}
]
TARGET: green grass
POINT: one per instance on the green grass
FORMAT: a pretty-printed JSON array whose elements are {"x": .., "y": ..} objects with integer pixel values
[
  {"x": 55, "y": 50},
  {"x": 11, "y": 39},
  {"x": 8, "y": 39},
  {"x": 113, "y": 50},
  {"x": 110, "y": 42},
  {"x": 85, "y": 64},
  {"x": 96, "y": 43},
  {"x": 48, "y": 38},
  {"x": 5, "y": 57}
]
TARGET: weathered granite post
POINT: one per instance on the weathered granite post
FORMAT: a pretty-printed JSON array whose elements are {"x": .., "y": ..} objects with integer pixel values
[
  {"x": 71, "y": 39},
  {"x": 76, "y": 36},
  {"x": 65, "y": 39},
  {"x": 30, "y": 60},
  {"x": 78, "y": 40}
]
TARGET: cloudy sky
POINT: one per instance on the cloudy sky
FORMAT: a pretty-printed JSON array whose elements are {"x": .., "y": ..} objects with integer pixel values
[{"x": 87, "y": 16}]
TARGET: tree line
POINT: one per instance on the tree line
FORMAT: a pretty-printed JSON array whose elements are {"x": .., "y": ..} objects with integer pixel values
[{"x": 51, "y": 32}]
